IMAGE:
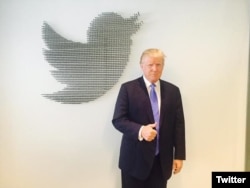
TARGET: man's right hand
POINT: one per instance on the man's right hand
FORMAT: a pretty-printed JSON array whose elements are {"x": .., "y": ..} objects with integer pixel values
[{"x": 148, "y": 132}]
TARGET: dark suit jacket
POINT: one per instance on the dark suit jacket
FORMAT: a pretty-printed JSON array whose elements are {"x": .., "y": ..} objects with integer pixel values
[{"x": 132, "y": 110}]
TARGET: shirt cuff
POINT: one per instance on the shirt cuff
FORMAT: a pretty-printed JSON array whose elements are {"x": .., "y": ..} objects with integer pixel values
[{"x": 140, "y": 138}]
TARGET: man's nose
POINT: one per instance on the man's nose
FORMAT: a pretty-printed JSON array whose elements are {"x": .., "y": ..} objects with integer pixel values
[{"x": 154, "y": 67}]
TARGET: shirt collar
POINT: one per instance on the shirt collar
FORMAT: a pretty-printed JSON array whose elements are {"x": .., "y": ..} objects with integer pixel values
[{"x": 148, "y": 83}]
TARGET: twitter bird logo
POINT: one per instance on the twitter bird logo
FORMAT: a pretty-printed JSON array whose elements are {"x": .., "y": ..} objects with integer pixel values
[{"x": 90, "y": 69}]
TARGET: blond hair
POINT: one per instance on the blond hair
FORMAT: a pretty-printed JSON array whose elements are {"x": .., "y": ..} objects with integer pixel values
[{"x": 153, "y": 52}]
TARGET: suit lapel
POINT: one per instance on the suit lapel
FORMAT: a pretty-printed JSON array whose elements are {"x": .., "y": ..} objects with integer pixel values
[
  {"x": 165, "y": 100},
  {"x": 147, "y": 104}
]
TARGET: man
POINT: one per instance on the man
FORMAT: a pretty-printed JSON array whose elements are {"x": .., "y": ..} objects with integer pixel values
[{"x": 149, "y": 113}]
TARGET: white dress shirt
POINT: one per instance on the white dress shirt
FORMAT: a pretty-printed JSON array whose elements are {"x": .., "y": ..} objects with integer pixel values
[{"x": 158, "y": 93}]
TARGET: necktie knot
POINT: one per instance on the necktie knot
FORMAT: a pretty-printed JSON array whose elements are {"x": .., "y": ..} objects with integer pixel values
[
  {"x": 153, "y": 95},
  {"x": 152, "y": 86}
]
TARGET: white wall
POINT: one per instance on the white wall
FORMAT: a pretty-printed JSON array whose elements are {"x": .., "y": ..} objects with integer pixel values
[{"x": 44, "y": 144}]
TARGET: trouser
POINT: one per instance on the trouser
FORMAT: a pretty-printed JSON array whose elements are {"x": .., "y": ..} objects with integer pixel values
[{"x": 154, "y": 180}]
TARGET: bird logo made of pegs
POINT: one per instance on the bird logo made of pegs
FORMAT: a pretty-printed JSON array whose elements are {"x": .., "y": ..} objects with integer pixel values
[{"x": 90, "y": 69}]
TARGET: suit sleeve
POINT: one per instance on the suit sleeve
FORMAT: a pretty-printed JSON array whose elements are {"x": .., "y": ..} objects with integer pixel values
[
  {"x": 121, "y": 119},
  {"x": 179, "y": 139}
]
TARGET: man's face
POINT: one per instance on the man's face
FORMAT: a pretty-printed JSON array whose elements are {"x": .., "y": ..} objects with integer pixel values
[{"x": 152, "y": 68}]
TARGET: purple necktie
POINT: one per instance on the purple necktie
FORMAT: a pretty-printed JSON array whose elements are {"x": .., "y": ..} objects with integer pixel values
[{"x": 155, "y": 108}]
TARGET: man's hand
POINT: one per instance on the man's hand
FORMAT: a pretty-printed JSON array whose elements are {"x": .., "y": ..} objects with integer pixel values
[
  {"x": 177, "y": 166},
  {"x": 148, "y": 132}
]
